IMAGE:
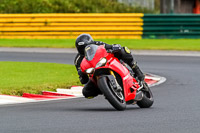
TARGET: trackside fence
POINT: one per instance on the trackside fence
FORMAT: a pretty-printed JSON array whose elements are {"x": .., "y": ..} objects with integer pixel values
[
  {"x": 42, "y": 26},
  {"x": 99, "y": 25},
  {"x": 171, "y": 26}
]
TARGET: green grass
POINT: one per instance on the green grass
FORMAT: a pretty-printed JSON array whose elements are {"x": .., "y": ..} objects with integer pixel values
[
  {"x": 145, "y": 44},
  {"x": 28, "y": 77},
  {"x": 161, "y": 44},
  {"x": 43, "y": 43}
]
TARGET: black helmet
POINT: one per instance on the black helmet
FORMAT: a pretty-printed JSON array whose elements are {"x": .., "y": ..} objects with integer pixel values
[{"x": 82, "y": 41}]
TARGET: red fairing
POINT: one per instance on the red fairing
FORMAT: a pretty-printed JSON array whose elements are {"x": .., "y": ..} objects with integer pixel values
[
  {"x": 113, "y": 64},
  {"x": 85, "y": 65},
  {"x": 100, "y": 53}
]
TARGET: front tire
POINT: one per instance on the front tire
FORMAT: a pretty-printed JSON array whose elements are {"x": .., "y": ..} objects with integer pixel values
[{"x": 116, "y": 99}]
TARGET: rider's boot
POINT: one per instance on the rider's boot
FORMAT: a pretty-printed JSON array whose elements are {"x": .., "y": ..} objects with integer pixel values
[
  {"x": 140, "y": 76},
  {"x": 137, "y": 71}
]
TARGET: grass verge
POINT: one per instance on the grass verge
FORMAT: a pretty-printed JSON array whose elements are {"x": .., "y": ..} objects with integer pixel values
[
  {"x": 145, "y": 44},
  {"x": 28, "y": 77}
]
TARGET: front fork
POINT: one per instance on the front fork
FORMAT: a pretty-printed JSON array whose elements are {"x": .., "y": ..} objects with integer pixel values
[
  {"x": 113, "y": 81},
  {"x": 118, "y": 87}
]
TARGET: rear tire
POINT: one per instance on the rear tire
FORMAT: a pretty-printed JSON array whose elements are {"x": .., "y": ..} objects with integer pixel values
[
  {"x": 147, "y": 100},
  {"x": 116, "y": 99}
]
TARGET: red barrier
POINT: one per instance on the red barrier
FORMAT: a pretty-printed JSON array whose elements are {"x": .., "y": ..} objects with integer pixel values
[
  {"x": 55, "y": 94},
  {"x": 43, "y": 97}
]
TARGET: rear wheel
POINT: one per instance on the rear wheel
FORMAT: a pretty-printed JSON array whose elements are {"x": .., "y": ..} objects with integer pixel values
[
  {"x": 115, "y": 98},
  {"x": 147, "y": 100}
]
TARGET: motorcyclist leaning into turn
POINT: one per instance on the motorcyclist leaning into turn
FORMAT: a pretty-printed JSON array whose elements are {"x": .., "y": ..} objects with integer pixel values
[{"x": 90, "y": 90}]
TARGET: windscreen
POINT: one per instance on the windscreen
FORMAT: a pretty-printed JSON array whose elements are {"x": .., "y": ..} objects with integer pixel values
[{"x": 90, "y": 51}]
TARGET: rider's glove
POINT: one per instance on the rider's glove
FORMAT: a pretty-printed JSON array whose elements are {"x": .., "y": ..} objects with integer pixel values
[
  {"x": 83, "y": 77},
  {"x": 116, "y": 48}
]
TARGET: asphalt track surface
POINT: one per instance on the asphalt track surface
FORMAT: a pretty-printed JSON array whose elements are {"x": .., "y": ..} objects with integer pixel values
[{"x": 176, "y": 108}]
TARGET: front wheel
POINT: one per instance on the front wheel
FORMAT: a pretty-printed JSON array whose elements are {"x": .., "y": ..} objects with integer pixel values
[
  {"x": 116, "y": 99},
  {"x": 147, "y": 100}
]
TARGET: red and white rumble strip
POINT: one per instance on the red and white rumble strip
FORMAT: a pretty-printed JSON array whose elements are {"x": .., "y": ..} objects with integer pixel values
[{"x": 74, "y": 92}]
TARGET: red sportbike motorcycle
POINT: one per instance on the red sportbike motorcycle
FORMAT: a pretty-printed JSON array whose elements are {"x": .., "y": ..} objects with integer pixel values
[{"x": 115, "y": 78}]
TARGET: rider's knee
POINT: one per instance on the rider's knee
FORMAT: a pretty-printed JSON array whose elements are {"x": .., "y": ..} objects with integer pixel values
[
  {"x": 127, "y": 57},
  {"x": 90, "y": 90}
]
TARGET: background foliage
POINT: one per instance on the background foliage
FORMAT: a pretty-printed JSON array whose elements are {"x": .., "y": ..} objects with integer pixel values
[{"x": 68, "y": 6}]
